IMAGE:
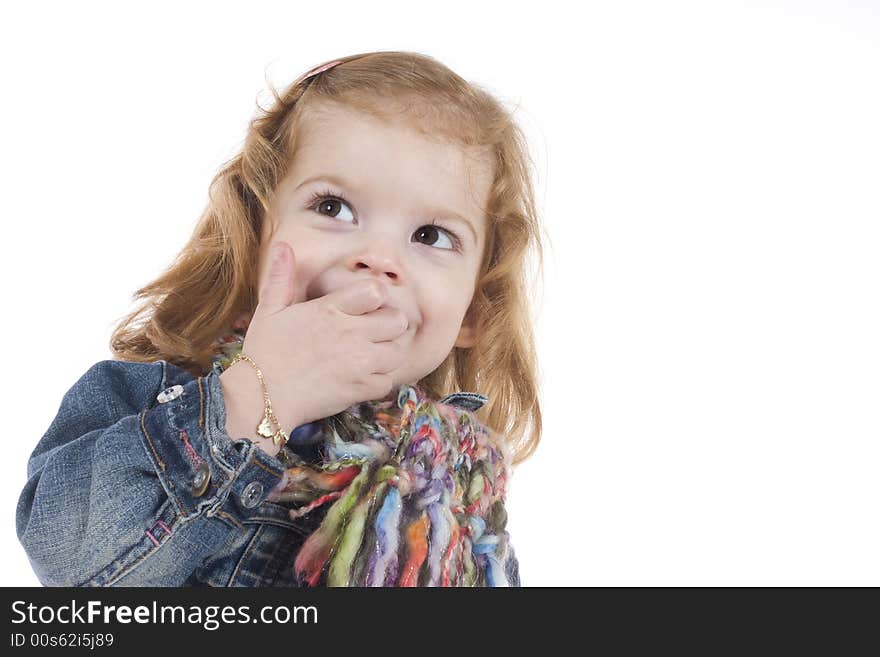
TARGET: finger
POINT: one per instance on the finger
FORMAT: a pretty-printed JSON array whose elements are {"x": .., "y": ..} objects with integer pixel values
[
  {"x": 277, "y": 290},
  {"x": 384, "y": 324},
  {"x": 360, "y": 297},
  {"x": 386, "y": 357}
]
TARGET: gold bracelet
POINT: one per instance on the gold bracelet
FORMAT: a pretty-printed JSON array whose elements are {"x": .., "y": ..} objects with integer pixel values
[{"x": 269, "y": 420}]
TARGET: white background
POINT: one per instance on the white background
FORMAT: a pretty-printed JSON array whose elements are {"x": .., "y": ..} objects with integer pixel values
[{"x": 707, "y": 173}]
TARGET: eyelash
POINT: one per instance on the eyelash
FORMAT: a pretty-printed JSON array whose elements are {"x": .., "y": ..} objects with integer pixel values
[{"x": 319, "y": 197}]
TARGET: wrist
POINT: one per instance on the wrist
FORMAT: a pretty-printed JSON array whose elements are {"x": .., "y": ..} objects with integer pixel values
[{"x": 245, "y": 406}]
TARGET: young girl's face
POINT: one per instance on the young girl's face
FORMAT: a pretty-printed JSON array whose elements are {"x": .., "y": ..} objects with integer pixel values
[{"x": 359, "y": 200}]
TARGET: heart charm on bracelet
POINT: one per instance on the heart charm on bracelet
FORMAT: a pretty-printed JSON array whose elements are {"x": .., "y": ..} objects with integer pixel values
[{"x": 265, "y": 429}]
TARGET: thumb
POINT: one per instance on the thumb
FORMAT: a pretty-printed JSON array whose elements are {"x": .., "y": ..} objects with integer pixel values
[{"x": 277, "y": 292}]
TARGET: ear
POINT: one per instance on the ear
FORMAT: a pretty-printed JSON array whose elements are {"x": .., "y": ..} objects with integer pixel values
[{"x": 467, "y": 335}]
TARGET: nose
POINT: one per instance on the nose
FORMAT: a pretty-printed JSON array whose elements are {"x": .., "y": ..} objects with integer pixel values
[{"x": 378, "y": 262}]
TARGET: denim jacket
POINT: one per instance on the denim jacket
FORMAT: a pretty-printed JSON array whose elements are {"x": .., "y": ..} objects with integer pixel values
[{"x": 137, "y": 483}]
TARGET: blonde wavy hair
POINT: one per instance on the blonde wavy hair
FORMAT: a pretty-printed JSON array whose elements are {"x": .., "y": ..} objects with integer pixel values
[{"x": 214, "y": 280}]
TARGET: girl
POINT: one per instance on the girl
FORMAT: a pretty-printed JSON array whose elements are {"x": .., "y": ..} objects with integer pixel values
[{"x": 368, "y": 243}]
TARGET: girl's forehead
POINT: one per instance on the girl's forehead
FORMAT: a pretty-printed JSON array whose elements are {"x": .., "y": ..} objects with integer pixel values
[
  {"x": 332, "y": 121},
  {"x": 368, "y": 152}
]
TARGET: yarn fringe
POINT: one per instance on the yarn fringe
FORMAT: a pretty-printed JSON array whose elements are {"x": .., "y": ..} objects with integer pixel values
[{"x": 427, "y": 509}]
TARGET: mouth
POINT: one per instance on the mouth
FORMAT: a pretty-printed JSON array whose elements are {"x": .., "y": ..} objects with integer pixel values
[{"x": 412, "y": 325}]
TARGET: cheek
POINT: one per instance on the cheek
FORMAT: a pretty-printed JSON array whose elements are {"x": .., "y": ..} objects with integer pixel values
[
  {"x": 306, "y": 263},
  {"x": 443, "y": 314},
  {"x": 306, "y": 245}
]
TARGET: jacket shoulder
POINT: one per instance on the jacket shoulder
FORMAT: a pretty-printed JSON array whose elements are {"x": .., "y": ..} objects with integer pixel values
[{"x": 125, "y": 387}]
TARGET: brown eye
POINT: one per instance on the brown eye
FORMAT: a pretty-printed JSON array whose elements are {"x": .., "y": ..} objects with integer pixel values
[
  {"x": 431, "y": 233},
  {"x": 329, "y": 205}
]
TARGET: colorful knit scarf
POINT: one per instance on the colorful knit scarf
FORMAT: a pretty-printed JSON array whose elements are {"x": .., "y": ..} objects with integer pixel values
[{"x": 417, "y": 491}]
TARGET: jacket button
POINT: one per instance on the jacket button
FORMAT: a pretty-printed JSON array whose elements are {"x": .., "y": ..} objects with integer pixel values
[
  {"x": 201, "y": 479},
  {"x": 252, "y": 495},
  {"x": 169, "y": 393}
]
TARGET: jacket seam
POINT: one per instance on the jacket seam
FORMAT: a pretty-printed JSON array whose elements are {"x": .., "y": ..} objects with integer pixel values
[
  {"x": 201, "y": 404},
  {"x": 229, "y": 517},
  {"x": 277, "y": 522},
  {"x": 125, "y": 569},
  {"x": 245, "y": 555},
  {"x": 168, "y": 485},
  {"x": 269, "y": 470},
  {"x": 152, "y": 447}
]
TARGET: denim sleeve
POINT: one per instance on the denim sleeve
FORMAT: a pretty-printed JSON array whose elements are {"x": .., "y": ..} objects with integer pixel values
[{"x": 116, "y": 491}]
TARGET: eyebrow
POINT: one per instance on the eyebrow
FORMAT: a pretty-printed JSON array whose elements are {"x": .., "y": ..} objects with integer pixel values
[{"x": 339, "y": 182}]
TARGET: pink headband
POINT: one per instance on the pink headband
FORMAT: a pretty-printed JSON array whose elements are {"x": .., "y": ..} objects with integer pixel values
[{"x": 316, "y": 70}]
